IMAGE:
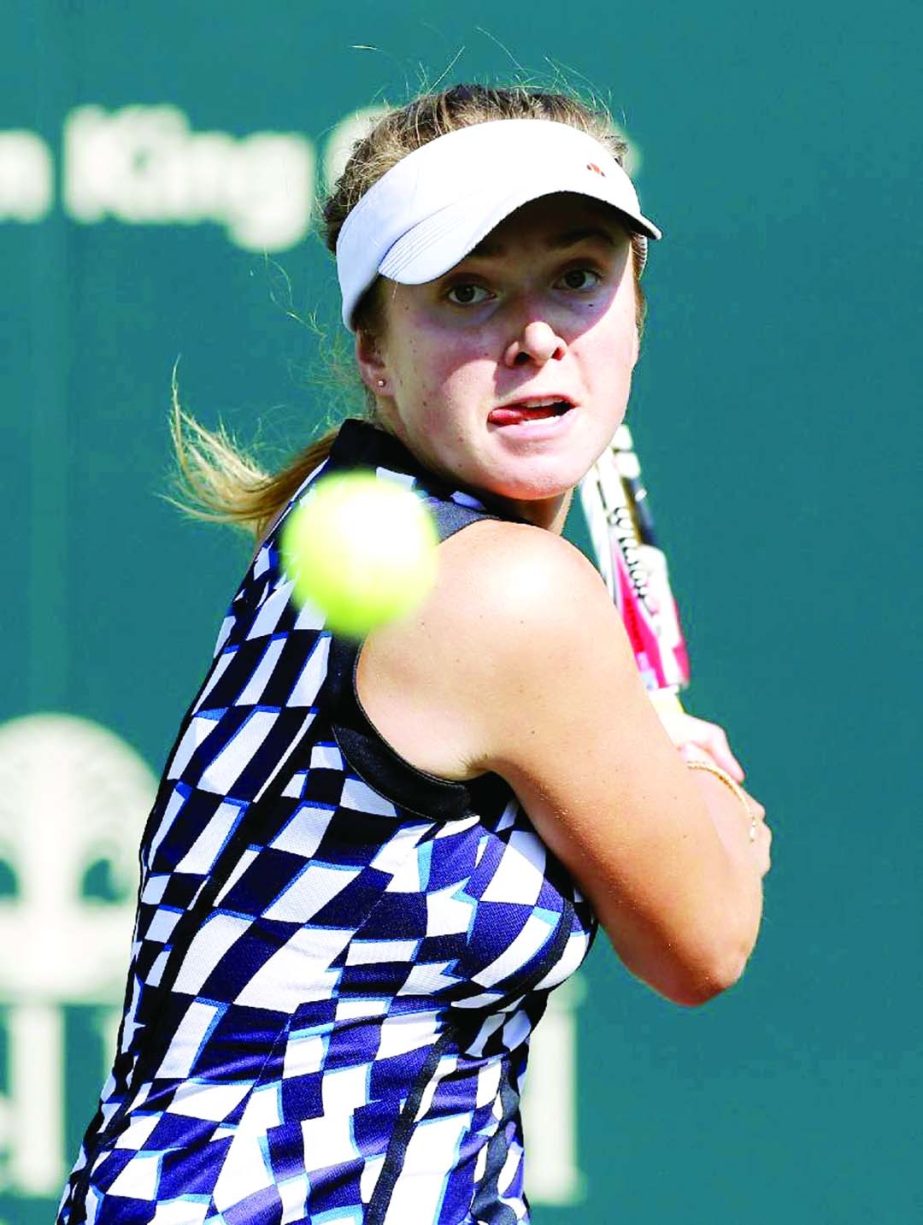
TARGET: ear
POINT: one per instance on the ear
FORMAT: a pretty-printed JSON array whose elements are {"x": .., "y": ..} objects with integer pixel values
[{"x": 371, "y": 362}]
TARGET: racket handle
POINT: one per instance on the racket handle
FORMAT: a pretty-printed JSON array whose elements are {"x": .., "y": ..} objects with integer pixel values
[{"x": 666, "y": 701}]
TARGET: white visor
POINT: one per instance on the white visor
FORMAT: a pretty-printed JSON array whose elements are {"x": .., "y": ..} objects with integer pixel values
[{"x": 437, "y": 203}]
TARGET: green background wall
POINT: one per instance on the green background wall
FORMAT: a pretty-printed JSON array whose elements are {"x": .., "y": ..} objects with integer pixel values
[{"x": 777, "y": 409}]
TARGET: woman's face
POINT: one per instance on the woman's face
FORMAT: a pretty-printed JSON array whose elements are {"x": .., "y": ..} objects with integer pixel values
[{"x": 510, "y": 373}]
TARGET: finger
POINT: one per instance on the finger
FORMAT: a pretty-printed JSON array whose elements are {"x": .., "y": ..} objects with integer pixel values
[
  {"x": 689, "y": 751},
  {"x": 720, "y": 756},
  {"x": 712, "y": 738}
]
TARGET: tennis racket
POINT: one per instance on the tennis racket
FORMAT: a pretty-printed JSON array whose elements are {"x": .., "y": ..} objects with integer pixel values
[{"x": 634, "y": 567}]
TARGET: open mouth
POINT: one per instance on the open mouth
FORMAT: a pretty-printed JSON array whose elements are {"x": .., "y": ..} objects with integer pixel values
[{"x": 530, "y": 410}]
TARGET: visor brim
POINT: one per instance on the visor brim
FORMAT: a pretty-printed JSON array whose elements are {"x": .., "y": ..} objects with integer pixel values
[{"x": 442, "y": 240}]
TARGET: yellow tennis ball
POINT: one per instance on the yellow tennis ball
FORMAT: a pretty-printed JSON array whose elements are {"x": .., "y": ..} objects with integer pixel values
[{"x": 362, "y": 549}]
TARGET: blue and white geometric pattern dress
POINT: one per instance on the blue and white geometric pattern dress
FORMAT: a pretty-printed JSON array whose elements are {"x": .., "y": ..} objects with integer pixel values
[{"x": 337, "y": 960}]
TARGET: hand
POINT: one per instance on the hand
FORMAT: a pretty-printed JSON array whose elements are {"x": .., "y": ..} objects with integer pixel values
[{"x": 696, "y": 739}]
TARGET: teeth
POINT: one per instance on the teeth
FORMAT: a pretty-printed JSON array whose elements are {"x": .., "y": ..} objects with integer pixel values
[{"x": 548, "y": 402}]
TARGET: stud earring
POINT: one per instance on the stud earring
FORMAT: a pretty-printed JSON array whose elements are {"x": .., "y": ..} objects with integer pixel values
[{"x": 381, "y": 382}]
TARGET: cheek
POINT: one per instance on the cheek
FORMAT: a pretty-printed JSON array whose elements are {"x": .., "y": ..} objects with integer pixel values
[
  {"x": 609, "y": 362},
  {"x": 420, "y": 363},
  {"x": 448, "y": 375},
  {"x": 615, "y": 347},
  {"x": 464, "y": 379}
]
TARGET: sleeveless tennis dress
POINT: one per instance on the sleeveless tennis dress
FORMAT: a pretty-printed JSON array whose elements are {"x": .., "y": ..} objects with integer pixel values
[{"x": 337, "y": 959}]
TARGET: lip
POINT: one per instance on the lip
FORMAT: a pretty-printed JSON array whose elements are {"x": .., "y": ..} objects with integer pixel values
[
  {"x": 536, "y": 401},
  {"x": 504, "y": 416},
  {"x": 536, "y": 430}
]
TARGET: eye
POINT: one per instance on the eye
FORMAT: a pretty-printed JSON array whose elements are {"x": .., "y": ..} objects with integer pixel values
[
  {"x": 580, "y": 278},
  {"x": 467, "y": 294}
]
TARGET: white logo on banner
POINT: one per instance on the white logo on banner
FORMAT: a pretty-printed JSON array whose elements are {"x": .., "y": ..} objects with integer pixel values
[
  {"x": 26, "y": 177},
  {"x": 73, "y": 800},
  {"x": 143, "y": 164}
]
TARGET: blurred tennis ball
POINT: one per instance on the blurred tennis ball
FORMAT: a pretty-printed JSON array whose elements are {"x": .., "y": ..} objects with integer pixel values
[{"x": 362, "y": 550}]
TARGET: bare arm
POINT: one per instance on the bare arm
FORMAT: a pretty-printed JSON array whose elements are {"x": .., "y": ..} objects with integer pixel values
[{"x": 663, "y": 853}]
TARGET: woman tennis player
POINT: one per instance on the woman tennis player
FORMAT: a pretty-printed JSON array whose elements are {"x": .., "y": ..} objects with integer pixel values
[{"x": 368, "y": 865}]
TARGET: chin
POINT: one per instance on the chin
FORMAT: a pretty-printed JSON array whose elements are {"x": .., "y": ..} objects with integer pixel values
[
  {"x": 559, "y": 475},
  {"x": 536, "y": 488}
]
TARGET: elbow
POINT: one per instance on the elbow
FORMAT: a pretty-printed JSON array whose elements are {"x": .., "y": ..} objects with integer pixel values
[
  {"x": 700, "y": 958},
  {"x": 693, "y": 981},
  {"x": 709, "y": 978},
  {"x": 699, "y": 990},
  {"x": 713, "y": 965}
]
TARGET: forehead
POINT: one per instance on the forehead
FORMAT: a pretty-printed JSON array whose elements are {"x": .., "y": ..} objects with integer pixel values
[{"x": 559, "y": 220}]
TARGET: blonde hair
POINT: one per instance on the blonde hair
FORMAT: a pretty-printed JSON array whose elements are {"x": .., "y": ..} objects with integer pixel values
[{"x": 219, "y": 481}]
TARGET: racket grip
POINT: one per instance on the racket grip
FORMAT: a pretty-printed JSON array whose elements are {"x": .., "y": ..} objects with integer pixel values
[{"x": 666, "y": 701}]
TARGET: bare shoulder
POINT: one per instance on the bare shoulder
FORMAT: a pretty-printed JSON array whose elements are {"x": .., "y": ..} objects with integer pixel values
[
  {"x": 512, "y": 604},
  {"x": 535, "y": 615},
  {"x": 504, "y": 576}
]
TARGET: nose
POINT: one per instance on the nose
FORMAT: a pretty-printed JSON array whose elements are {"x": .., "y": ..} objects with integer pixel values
[{"x": 537, "y": 342}]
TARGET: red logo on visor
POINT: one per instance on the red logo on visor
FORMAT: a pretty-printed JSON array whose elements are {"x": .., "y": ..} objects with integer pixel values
[{"x": 596, "y": 170}]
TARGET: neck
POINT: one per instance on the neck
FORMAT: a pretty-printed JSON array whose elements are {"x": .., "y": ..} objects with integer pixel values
[{"x": 549, "y": 513}]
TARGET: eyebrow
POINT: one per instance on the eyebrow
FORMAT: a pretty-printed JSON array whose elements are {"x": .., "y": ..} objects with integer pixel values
[{"x": 569, "y": 238}]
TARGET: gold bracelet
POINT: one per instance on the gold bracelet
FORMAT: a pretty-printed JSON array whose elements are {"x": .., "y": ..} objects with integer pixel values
[{"x": 710, "y": 768}]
